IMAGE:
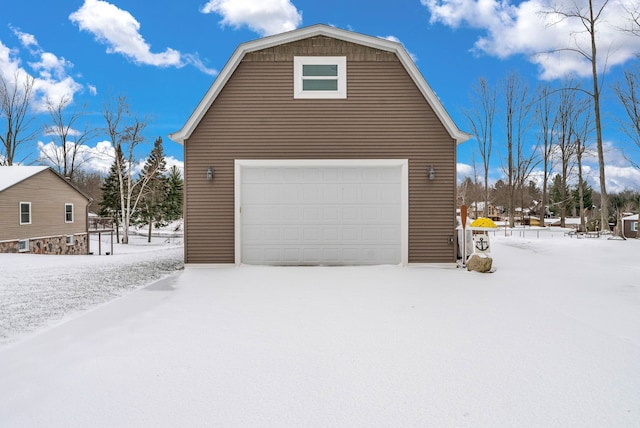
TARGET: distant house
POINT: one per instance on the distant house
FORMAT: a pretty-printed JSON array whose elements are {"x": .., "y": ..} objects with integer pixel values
[
  {"x": 320, "y": 146},
  {"x": 476, "y": 209},
  {"x": 41, "y": 212},
  {"x": 630, "y": 226}
]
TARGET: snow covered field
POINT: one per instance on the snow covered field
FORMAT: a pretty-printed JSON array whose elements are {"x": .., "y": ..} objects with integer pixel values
[
  {"x": 37, "y": 290},
  {"x": 551, "y": 339}
]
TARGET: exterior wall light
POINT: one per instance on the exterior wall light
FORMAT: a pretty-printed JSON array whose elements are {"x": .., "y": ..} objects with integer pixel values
[
  {"x": 431, "y": 173},
  {"x": 210, "y": 173}
]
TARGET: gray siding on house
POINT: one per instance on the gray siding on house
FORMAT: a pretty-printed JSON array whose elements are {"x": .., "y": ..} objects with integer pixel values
[
  {"x": 255, "y": 116},
  {"x": 48, "y": 194}
]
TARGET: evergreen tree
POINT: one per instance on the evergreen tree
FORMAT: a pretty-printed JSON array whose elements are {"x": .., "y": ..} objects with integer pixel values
[
  {"x": 587, "y": 196},
  {"x": 110, "y": 205},
  {"x": 150, "y": 207},
  {"x": 174, "y": 197},
  {"x": 559, "y": 198}
]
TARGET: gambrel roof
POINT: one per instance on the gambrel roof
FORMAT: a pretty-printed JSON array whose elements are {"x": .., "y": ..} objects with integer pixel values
[{"x": 315, "y": 31}]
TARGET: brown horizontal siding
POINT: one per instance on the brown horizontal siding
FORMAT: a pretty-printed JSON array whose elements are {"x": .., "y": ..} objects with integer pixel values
[
  {"x": 48, "y": 194},
  {"x": 255, "y": 117}
]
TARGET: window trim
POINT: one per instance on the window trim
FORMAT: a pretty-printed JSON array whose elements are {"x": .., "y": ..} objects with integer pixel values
[
  {"x": 300, "y": 61},
  {"x": 69, "y": 240},
  {"x": 20, "y": 212},
  {"x": 66, "y": 220},
  {"x": 634, "y": 225}
]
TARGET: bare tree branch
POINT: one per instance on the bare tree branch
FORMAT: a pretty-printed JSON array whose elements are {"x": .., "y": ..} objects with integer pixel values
[{"x": 15, "y": 102}]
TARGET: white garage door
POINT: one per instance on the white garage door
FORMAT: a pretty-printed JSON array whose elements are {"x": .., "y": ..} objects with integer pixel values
[{"x": 321, "y": 215}]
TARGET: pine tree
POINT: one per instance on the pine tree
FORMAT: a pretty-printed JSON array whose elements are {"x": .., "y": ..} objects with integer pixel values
[
  {"x": 560, "y": 199},
  {"x": 150, "y": 207},
  {"x": 110, "y": 205},
  {"x": 174, "y": 198},
  {"x": 587, "y": 196}
]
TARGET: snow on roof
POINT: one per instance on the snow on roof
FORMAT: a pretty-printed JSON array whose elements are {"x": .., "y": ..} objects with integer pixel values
[
  {"x": 12, "y": 175},
  {"x": 631, "y": 217}
]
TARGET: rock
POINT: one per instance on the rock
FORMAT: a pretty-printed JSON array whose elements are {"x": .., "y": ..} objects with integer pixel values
[{"x": 479, "y": 263}]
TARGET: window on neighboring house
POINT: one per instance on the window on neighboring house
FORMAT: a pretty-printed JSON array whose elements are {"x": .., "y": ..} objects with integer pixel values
[
  {"x": 69, "y": 239},
  {"x": 68, "y": 213},
  {"x": 634, "y": 226},
  {"x": 25, "y": 212},
  {"x": 320, "y": 77},
  {"x": 23, "y": 245}
]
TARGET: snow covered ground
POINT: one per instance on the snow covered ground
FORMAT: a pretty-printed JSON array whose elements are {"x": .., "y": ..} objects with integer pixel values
[
  {"x": 551, "y": 339},
  {"x": 38, "y": 290}
]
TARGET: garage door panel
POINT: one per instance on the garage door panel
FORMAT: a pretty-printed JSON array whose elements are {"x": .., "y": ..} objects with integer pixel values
[{"x": 321, "y": 215}]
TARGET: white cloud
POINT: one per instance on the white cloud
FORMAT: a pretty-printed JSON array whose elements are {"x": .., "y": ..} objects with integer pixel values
[
  {"x": 92, "y": 159},
  {"x": 120, "y": 31},
  {"x": 51, "y": 73},
  {"x": 619, "y": 178},
  {"x": 265, "y": 17},
  {"x": 524, "y": 28},
  {"x": 95, "y": 159}
]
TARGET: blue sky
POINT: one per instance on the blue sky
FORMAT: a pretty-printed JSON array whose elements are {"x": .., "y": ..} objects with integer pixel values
[{"x": 164, "y": 55}]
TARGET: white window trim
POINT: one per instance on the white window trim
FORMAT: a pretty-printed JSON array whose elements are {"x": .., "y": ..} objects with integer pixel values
[
  {"x": 634, "y": 226},
  {"x": 69, "y": 240},
  {"x": 23, "y": 245},
  {"x": 240, "y": 164},
  {"x": 65, "y": 213},
  {"x": 20, "y": 212},
  {"x": 299, "y": 61}
]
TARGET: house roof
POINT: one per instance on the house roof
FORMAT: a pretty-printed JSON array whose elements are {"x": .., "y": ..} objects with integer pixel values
[
  {"x": 631, "y": 217},
  {"x": 314, "y": 31},
  {"x": 12, "y": 175}
]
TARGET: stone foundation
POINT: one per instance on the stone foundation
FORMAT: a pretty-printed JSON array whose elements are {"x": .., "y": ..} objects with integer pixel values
[{"x": 49, "y": 245}]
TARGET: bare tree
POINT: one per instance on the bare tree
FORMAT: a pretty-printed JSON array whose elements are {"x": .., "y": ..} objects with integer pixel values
[
  {"x": 126, "y": 133},
  {"x": 481, "y": 119},
  {"x": 544, "y": 118},
  {"x": 520, "y": 162},
  {"x": 590, "y": 18},
  {"x": 15, "y": 102},
  {"x": 633, "y": 9},
  {"x": 582, "y": 132},
  {"x": 628, "y": 92},
  {"x": 563, "y": 126},
  {"x": 68, "y": 158}
]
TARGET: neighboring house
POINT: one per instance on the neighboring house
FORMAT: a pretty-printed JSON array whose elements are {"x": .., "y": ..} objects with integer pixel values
[
  {"x": 41, "y": 212},
  {"x": 320, "y": 146},
  {"x": 476, "y": 209},
  {"x": 630, "y": 226}
]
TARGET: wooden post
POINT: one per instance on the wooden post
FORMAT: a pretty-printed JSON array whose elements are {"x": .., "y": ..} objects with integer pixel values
[{"x": 463, "y": 220}]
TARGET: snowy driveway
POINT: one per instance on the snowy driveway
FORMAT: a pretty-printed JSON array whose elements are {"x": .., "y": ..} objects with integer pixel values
[{"x": 552, "y": 339}]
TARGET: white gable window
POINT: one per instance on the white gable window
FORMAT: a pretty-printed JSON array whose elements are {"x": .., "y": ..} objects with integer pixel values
[
  {"x": 68, "y": 213},
  {"x": 320, "y": 77}
]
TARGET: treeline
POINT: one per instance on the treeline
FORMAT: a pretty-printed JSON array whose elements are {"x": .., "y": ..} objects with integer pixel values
[
  {"x": 544, "y": 136},
  {"x": 562, "y": 202},
  {"x": 151, "y": 196}
]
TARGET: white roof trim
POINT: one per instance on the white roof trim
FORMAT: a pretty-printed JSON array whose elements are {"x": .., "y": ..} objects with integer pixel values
[{"x": 313, "y": 31}]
